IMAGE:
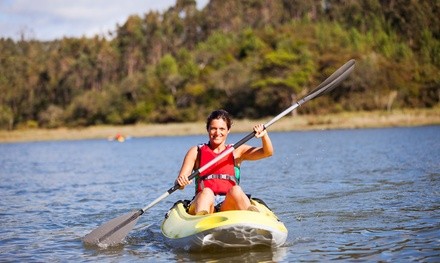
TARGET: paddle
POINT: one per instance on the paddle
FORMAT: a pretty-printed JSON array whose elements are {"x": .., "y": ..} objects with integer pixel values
[{"x": 114, "y": 231}]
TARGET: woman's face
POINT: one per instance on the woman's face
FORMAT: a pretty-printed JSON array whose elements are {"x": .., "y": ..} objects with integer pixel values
[{"x": 218, "y": 131}]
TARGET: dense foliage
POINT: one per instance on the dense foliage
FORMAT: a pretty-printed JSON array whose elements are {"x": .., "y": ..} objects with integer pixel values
[{"x": 251, "y": 57}]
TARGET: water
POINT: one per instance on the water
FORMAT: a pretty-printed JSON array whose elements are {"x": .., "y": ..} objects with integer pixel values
[{"x": 345, "y": 195}]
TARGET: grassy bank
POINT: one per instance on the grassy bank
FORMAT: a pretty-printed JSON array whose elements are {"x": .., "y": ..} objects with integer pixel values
[{"x": 356, "y": 120}]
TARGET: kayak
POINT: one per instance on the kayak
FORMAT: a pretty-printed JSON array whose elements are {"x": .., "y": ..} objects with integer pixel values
[{"x": 228, "y": 229}]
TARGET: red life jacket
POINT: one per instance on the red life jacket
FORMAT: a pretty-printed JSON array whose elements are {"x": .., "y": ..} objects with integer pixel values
[{"x": 220, "y": 177}]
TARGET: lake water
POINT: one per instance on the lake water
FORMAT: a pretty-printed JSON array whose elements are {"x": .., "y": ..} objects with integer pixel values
[{"x": 344, "y": 195}]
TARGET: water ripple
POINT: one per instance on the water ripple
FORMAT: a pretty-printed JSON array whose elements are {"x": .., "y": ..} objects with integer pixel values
[{"x": 348, "y": 195}]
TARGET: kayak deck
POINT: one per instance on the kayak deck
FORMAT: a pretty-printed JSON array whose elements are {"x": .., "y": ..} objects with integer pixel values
[{"x": 237, "y": 228}]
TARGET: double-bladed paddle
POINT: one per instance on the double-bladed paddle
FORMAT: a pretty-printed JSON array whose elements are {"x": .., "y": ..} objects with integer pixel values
[{"x": 114, "y": 231}]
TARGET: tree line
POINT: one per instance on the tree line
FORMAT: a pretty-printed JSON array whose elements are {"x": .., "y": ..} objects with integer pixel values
[{"x": 250, "y": 57}]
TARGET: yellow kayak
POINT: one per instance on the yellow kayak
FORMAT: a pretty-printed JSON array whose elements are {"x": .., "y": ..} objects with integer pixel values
[{"x": 238, "y": 228}]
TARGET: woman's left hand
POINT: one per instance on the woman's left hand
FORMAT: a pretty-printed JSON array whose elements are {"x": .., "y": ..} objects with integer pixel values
[{"x": 260, "y": 131}]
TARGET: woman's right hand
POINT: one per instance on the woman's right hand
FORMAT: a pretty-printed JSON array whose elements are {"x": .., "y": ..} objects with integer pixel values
[
  {"x": 182, "y": 181},
  {"x": 187, "y": 167}
]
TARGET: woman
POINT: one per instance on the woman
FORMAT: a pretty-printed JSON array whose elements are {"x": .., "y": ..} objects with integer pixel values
[{"x": 217, "y": 187}]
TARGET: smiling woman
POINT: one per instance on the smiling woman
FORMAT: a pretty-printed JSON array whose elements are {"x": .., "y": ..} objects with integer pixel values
[{"x": 217, "y": 188}]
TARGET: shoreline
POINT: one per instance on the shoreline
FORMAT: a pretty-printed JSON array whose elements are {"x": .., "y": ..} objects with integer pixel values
[{"x": 346, "y": 120}]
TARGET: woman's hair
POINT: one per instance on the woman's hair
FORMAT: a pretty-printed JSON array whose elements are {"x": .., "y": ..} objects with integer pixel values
[{"x": 219, "y": 114}]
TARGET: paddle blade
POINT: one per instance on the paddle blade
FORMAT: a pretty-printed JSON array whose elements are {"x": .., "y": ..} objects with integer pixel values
[
  {"x": 331, "y": 82},
  {"x": 114, "y": 231}
]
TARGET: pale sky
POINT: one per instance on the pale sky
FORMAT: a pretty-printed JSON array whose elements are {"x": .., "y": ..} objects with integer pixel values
[{"x": 54, "y": 19}]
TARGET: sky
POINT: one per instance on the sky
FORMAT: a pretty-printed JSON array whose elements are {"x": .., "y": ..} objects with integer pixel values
[{"x": 54, "y": 19}]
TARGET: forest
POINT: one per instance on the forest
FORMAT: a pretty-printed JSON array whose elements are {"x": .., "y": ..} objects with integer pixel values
[{"x": 253, "y": 58}]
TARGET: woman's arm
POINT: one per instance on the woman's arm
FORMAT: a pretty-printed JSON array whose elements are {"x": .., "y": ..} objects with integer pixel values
[
  {"x": 187, "y": 167},
  {"x": 247, "y": 152}
]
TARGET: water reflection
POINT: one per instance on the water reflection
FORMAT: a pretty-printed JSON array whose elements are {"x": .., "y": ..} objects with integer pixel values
[{"x": 233, "y": 255}]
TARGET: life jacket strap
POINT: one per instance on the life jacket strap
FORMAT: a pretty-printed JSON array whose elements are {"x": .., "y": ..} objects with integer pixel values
[{"x": 216, "y": 176}]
